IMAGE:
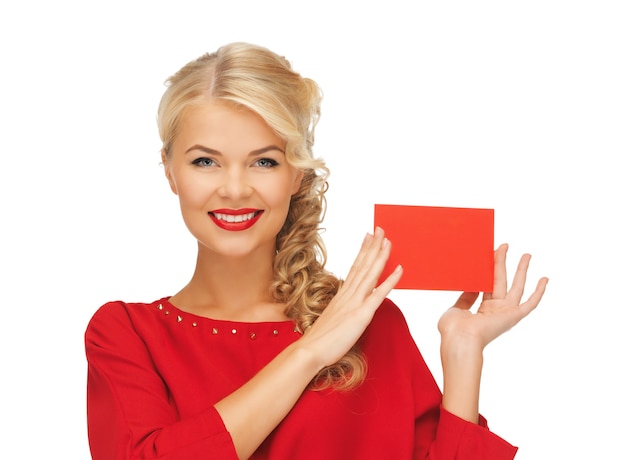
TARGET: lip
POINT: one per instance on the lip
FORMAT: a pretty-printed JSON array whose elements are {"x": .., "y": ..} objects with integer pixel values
[{"x": 218, "y": 218}]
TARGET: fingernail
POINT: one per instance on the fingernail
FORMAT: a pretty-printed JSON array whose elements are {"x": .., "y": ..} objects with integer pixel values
[{"x": 378, "y": 231}]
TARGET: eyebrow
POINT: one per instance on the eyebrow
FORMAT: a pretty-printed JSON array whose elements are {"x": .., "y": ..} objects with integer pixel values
[{"x": 256, "y": 152}]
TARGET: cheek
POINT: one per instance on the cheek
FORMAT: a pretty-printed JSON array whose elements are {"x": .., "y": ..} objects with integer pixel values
[
  {"x": 193, "y": 193},
  {"x": 281, "y": 192}
]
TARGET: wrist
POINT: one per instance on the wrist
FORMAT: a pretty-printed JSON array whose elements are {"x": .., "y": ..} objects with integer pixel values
[
  {"x": 462, "y": 362},
  {"x": 304, "y": 351},
  {"x": 460, "y": 346}
]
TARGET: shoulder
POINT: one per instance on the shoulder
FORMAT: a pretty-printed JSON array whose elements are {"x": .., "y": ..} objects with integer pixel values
[
  {"x": 389, "y": 345},
  {"x": 389, "y": 315},
  {"x": 117, "y": 318},
  {"x": 119, "y": 310},
  {"x": 389, "y": 326}
]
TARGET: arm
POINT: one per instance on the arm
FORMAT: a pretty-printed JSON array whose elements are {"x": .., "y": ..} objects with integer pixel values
[
  {"x": 398, "y": 370},
  {"x": 254, "y": 410},
  {"x": 464, "y": 334},
  {"x": 129, "y": 411}
]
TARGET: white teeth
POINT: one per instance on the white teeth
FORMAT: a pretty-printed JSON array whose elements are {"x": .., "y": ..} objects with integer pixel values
[{"x": 230, "y": 218}]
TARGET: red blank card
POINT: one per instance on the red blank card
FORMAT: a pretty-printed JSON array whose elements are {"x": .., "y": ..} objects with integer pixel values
[{"x": 439, "y": 248}]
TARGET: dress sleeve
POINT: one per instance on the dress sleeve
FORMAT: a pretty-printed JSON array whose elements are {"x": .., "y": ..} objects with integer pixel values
[
  {"x": 459, "y": 439},
  {"x": 129, "y": 415}
]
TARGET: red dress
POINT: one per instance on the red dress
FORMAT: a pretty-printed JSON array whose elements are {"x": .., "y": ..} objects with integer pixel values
[{"x": 155, "y": 372}]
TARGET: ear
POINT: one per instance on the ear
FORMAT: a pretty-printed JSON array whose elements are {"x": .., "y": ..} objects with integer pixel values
[
  {"x": 168, "y": 171},
  {"x": 297, "y": 182}
]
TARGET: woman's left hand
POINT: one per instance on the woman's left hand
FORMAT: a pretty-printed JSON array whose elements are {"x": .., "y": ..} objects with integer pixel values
[{"x": 498, "y": 312}]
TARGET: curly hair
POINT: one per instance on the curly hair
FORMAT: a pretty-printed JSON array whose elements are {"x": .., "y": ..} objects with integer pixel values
[{"x": 264, "y": 82}]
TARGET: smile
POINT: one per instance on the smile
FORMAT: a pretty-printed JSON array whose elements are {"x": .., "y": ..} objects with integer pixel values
[{"x": 235, "y": 220}]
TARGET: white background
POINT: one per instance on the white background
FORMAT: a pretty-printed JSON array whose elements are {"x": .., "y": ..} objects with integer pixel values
[{"x": 516, "y": 106}]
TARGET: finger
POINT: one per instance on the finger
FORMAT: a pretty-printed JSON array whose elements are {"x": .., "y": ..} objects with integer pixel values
[
  {"x": 369, "y": 265},
  {"x": 372, "y": 253},
  {"x": 519, "y": 280},
  {"x": 367, "y": 241},
  {"x": 466, "y": 300},
  {"x": 535, "y": 297},
  {"x": 380, "y": 293},
  {"x": 374, "y": 266},
  {"x": 369, "y": 249},
  {"x": 499, "y": 272}
]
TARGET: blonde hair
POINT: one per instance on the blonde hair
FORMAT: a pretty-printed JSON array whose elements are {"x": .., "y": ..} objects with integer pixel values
[{"x": 258, "y": 79}]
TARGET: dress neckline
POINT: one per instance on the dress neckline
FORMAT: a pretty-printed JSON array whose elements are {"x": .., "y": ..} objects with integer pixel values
[{"x": 165, "y": 304}]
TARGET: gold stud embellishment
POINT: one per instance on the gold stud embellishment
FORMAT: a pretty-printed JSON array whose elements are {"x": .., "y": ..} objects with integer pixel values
[
  {"x": 167, "y": 312},
  {"x": 179, "y": 319},
  {"x": 194, "y": 324},
  {"x": 160, "y": 307},
  {"x": 234, "y": 331},
  {"x": 214, "y": 331},
  {"x": 275, "y": 332},
  {"x": 252, "y": 336}
]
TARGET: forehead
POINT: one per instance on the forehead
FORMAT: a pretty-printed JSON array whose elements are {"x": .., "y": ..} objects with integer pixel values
[{"x": 224, "y": 124}]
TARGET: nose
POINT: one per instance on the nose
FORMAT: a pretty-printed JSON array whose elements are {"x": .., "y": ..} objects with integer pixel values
[{"x": 234, "y": 184}]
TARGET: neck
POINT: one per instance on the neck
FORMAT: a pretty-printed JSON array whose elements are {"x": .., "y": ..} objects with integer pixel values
[{"x": 231, "y": 288}]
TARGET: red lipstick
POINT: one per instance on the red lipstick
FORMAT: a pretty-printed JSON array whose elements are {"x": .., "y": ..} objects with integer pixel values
[{"x": 235, "y": 220}]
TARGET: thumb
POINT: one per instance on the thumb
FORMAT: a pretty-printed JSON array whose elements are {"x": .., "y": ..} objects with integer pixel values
[{"x": 466, "y": 300}]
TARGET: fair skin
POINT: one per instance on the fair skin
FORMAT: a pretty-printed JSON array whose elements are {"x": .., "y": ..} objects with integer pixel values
[{"x": 228, "y": 159}]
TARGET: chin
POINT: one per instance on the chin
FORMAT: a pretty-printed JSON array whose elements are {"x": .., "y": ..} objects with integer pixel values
[{"x": 237, "y": 250}]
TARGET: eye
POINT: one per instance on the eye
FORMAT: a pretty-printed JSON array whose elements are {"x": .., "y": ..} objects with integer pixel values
[
  {"x": 266, "y": 163},
  {"x": 203, "y": 162}
]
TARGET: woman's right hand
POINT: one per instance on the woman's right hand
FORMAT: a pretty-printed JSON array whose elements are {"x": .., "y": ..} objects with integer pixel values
[{"x": 345, "y": 318}]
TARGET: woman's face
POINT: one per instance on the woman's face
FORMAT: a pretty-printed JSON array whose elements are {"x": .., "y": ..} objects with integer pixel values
[{"x": 229, "y": 170}]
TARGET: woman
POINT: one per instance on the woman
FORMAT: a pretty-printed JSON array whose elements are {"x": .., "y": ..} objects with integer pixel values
[{"x": 264, "y": 354}]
